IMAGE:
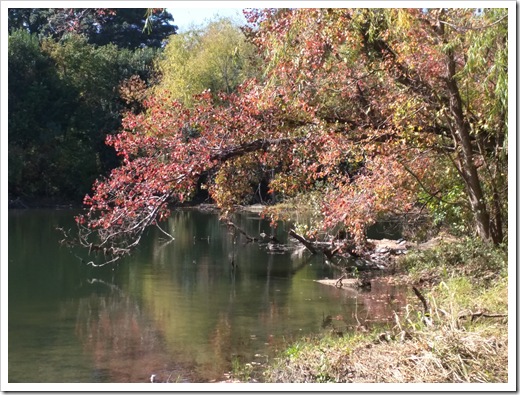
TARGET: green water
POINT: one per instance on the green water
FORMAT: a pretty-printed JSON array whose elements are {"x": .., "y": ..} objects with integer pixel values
[{"x": 177, "y": 310}]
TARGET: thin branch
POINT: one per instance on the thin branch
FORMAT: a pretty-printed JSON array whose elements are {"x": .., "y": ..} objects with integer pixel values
[
  {"x": 421, "y": 184},
  {"x": 164, "y": 232},
  {"x": 236, "y": 227},
  {"x": 252, "y": 146},
  {"x": 423, "y": 300},
  {"x": 473, "y": 316},
  {"x": 464, "y": 29},
  {"x": 104, "y": 263}
]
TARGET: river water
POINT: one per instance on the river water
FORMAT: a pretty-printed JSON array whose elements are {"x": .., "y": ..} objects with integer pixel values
[{"x": 178, "y": 310}]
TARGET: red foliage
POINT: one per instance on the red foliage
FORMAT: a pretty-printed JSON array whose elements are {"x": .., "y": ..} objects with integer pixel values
[{"x": 344, "y": 107}]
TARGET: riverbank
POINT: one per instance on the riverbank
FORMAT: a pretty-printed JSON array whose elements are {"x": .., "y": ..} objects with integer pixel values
[
  {"x": 46, "y": 203},
  {"x": 455, "y": 332}
]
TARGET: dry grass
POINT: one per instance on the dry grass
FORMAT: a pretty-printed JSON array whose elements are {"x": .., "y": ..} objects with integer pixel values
[
  {"x": 437, "y": 354},
  {"x": 449, "y": 343}
]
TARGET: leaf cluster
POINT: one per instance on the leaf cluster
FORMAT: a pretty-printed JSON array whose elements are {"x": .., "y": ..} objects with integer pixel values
[{"x": 217, "y": 58}]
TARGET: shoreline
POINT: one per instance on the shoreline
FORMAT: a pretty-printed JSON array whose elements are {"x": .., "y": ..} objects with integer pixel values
[{"x": 455, "y": 332}]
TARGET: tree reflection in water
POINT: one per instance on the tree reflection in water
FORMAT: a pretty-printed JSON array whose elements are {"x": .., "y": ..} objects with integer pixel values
[
  {"x": 187, "y": 315},
  {"x": 123, "y": 342},
  {"x": 180, "y": 310}
]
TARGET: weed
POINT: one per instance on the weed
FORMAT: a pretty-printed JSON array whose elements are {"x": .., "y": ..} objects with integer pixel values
[
  {"x": 240, "y": 371},
  {"x": 471, "y": 258}
]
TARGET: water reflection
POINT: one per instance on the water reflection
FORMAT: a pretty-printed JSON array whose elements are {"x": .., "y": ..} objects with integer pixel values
[
  {"x": 179, "y": 310},
  {"x": 123, "y": 342}
]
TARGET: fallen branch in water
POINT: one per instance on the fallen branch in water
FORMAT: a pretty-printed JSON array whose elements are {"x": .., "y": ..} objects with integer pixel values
[
  {"x": 240, "y": 230},
  {"x": 327, "y": 251},
  {"x": 330, "y": 253},
  {"x": 323, "y": 247},
  {"x": 304, "y": 241}
]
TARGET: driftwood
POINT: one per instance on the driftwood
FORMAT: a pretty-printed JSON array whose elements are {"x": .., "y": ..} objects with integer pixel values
[
  {"x": 330, "y": 253},
  {"x": 361, "y": 264},
  {"x": 304, "y": 241},
  {"x": 324, "y": 248},
  {"x": 242, "y": 231}
]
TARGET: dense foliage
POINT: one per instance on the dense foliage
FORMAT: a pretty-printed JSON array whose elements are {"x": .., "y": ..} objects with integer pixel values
[
  {"x": 217, "y": 58},
  {"x": 125, "y": 27},
  {"x": 377, "y": 110},
  {"x": 64, "y": 95}
]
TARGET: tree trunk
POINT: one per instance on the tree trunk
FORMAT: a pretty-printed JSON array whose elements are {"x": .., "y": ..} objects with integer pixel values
[{"x": 461, "y": 135}]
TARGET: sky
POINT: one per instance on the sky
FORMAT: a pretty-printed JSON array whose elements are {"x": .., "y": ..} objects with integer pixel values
[{"x": 184, "y": 18}]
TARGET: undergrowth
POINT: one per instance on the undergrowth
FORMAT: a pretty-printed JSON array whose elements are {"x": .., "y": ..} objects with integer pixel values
[{"x": 470, "y": 258}]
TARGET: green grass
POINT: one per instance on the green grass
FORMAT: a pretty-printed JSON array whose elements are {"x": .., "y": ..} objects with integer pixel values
[
  {"x": 317, "y": 359},
  {"x": 469, "y": 257}
]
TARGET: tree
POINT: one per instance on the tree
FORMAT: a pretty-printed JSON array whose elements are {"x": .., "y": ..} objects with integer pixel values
[
  {"x": 133, "y": 28},
  {"x": 467, "y": 94},
  {"x": 40, "y": 110},
  {"x": 217, "y": 58},
  {"x": 369, "y": 108},
  {"x": 417, "y": 63},
  {"x": 55, "y": 22},
  {"x": 129, "y": 28},
  {"x": 64, "y": 94},
  {"x": 63, "y": 100}
]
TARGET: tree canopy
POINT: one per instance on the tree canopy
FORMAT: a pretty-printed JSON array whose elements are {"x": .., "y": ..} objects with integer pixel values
[
  {"x": 217, "y": 58},
  {"x": 129, "y": 28},
  {"x": 376, "y": 111},
  {"x": 63, "y": 100}
]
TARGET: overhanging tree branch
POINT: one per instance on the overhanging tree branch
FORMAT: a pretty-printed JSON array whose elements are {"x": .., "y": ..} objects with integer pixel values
[{"x": 255, "y": 145}]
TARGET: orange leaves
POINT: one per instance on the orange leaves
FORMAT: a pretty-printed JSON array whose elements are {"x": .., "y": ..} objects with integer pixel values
[
  {"x": 385, "y": 189},
  {"x": 348, "y": 111}
]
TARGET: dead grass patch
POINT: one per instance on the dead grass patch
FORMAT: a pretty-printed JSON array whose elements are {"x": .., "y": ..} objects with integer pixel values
[{"x": 436, "y": 355}]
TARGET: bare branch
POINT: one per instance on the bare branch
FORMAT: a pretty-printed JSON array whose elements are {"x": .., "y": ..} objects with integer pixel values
[
  {"x": 236, "y": 227},
  {"x": 164, "y": 232},
  {"x": 302, "y": 240}
]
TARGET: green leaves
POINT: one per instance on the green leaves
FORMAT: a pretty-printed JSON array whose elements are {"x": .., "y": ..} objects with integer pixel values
[
  {"x": 63, "y": 100},
  {"x": 217, "y": 58}
]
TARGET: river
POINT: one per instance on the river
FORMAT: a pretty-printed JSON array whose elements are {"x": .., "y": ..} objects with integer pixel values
[{"x": 178, "y": 310}]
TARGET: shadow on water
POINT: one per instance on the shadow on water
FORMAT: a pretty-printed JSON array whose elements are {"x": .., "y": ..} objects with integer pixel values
[{"x": 181, "y": 311}]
